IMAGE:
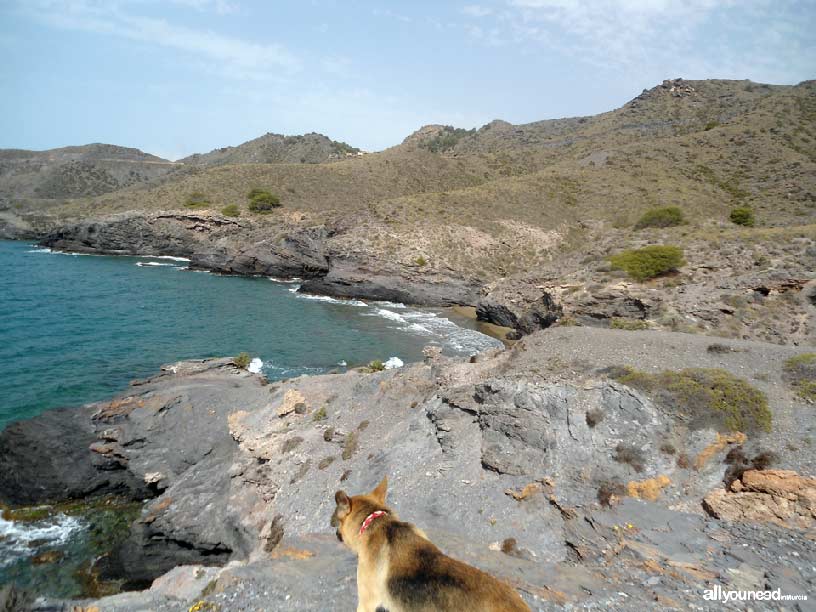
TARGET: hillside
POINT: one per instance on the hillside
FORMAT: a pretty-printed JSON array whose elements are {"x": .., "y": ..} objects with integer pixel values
[
  {"x": 274, "y": 149},
  {"x": 70, "y": 172},
  {"x": 508, "y": 208}
]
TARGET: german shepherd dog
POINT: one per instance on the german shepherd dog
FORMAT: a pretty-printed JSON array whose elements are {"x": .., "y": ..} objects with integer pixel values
[{"x": 400, "y": 570}]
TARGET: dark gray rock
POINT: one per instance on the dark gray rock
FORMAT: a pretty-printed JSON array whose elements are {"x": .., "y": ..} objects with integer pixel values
[
  {"x": 48, "y": 458},
  {"x": 523, "y": 307}
]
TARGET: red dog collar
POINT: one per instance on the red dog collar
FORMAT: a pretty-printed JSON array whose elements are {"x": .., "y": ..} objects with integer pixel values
[{"x": 370, "y": 519}]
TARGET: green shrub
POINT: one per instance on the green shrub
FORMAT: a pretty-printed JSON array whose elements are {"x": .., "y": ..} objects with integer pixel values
[
  {"x": 263, "y": 201},
  {"x": 376, "y": 366},
  {"x": 704, "y": 397},
  {"x": 668, "y": 216},
  {"x": 197, "y": 199},
  {"x": 242, "y": 360},
  {"x": 320, "y": 415},
  {"x": 711, "y": 125},
  {"x": 628, "y": 324},
  {"x": 648, "y": 262},
  {"x": 742, "y": 215},
  {"x": 231, "y": 210},
  {"x": 421, "y": 261},
  {"x": 255, "y": 191},
  {"x": 800, "y": 373},
  {"x": 446, "y": 139}
]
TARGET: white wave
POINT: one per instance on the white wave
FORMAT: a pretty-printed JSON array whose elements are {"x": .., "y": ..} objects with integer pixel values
[
  {"x": 255, "y": 365},
  {"x": 387, "y": 314},
  {"x": 393, "y": 362},
  {"x": 284, "y": 281},
  {"x": 40, "y": 250},
  {"x": 294, "y": 288},
  {"x": 342, "y": 363},
  {"x": 438, "y": 329},
  {"x": 327, "y": 298},
  {"x": 142, "y": 264},
  {"x": 21, "y": 539},
  {"x": 171, "y": 257}
]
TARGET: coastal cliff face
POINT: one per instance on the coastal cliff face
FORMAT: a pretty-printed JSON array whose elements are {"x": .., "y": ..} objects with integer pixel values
[{"x": 533, "y": 463}]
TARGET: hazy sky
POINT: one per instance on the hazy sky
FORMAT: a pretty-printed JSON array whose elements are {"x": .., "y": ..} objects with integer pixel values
[{"x": 173, "y": 77}]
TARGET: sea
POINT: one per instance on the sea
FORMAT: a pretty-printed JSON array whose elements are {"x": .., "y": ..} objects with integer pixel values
[{"x": 77, "y": 328}]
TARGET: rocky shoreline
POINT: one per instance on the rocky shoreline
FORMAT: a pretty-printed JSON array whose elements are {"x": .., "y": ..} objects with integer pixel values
[
  {"x": 226, "y": 245},
  {"x": 511, "y": 461}
]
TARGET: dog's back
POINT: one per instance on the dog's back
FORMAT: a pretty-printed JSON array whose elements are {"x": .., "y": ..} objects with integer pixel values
[{"x": 421, "y": 578}]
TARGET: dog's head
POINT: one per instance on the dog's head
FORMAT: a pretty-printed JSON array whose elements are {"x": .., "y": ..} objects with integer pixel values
[{"x": 350, "y": 512}]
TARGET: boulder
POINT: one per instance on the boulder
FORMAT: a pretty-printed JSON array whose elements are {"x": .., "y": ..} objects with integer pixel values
[{"x": 782, "y": 497}]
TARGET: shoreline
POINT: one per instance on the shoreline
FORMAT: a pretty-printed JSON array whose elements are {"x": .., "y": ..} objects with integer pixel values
[{"x": 498, "y": 332}]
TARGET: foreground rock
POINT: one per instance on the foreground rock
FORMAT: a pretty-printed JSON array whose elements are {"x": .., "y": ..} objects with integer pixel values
[
  {"x": 776, "y": 496},
  {"x": 526, "y": 462}
]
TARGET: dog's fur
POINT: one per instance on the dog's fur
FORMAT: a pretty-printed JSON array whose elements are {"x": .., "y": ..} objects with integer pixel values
[{"x": 400, "y": 570}]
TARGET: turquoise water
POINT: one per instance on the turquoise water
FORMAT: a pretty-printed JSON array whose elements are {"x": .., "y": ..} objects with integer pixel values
[{"x": 76, "y": 329}]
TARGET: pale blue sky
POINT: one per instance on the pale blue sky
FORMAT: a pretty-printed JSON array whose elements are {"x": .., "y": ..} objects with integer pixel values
[{"x": 173, "y": 77}]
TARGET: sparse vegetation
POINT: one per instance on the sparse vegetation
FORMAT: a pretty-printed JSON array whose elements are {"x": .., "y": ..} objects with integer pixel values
[
  {"x": 445, "y": 140},
  {"x": 594, "y": 416},
  {"x": 262, "y": 202},
  {"x": 609, "y": 493},
  {"x": 196, "y": 200},
  {"x": 320, "y": 414},
  {"x": 350, "y": 444},
  {"x": 800, "y": 373},
  {"x": 705, "y": 398},
  {"x": 739, "y": 463},
  {"x": 668, "y": 216},
  {"x": 628, "y": 324},
  {"x": 667, "y": 448},
  {"x": 231, "y": 210},
  {"x": 631, "y": 456},
  {"x": 242, "y": 360},
  {"x": 742, "y": 215},
  {"x": 648, "y": 262},
  {"x": 421, "y": 261},
  {"x": 376, "y": 366}
]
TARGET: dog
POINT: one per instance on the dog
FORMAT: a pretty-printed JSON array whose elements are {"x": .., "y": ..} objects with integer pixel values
[{"x": 400, "y": 570}]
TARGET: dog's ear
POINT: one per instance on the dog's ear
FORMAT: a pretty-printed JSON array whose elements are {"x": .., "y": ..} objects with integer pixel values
[
  {"x": 381, "y": 490},
  {"x": 343, "y": 502}
]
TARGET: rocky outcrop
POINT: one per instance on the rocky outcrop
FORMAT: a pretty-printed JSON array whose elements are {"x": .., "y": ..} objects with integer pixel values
[
  {"x": 769, "y": 496},
  {"x": 523, "y": 307},
  {"x": 377, "y": 281},
  {"x": 49, "y": 458},
  {"x": 163, "y": 233},
  {"x": 230, "y": 246}
]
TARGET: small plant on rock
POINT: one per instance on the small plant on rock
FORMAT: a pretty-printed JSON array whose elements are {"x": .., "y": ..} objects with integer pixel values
[
  {"x": 242, "y": 360},
  {"x": 630, "y": 455},
  {"x": 376, "y": 366},
  {"x": 231, "y": 210}
]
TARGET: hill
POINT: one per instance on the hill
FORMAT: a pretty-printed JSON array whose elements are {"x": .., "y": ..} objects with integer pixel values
[
  {"x": 70, "y": 172},
  {"x": 514, "y": 209},
  {"x": 276, "y": 148}
]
